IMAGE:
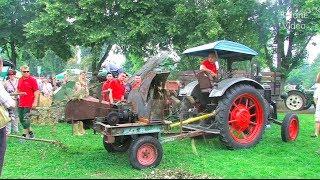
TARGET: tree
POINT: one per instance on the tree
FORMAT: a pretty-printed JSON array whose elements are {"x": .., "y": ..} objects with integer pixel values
[
  {"x": 14, "y": 14},
  {"x": 183, "y": 24},
  {"x": 285, "y": 28},
  {"x": 140, "y": 28},
  {"x": 299, "y": 75}
]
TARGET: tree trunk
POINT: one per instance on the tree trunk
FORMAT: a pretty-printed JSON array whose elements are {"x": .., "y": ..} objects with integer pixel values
[
  {"x": 13, "y": 57},
  {"x": 95, "y": 85}
]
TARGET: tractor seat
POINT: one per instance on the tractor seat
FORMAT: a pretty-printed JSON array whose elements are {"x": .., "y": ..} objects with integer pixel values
[{"x": 205, "y": 81}]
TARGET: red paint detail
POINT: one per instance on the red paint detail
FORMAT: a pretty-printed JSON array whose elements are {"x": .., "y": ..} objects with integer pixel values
[
  {"x": 293, "y": 129},
  {"x": 147, "y": 154}
]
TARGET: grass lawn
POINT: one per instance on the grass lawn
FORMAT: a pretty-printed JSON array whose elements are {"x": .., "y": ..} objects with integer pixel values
[{"x": 85, "y": 157}]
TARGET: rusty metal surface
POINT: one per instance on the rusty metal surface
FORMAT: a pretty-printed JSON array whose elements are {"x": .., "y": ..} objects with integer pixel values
[
  {"x": 172, "y": 85},
  {"x": 85, "y": 109},
  {"x": 182, "y": 136},
  {"x": 151, "y": 63},
  {"x": 128, "y": 129},
  {"x": 149, "y": 101},
  {"x": 138, "y": 105},
  {"x": 145, "y": 86}
]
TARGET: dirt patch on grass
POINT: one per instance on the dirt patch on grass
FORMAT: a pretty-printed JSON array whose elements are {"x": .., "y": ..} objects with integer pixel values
[{"x": 175, "y": 174}]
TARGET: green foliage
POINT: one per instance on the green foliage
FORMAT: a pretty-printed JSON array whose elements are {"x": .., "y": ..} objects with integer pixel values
[
  {"x": 133, "y": 64},
  {"x": 299, "y": 75},
  {"x": 50, "y": 63},
  {"x": 141, "y": 27},
  {"x": 14, "y": 15},
  {"x": 284, "y": 29}
]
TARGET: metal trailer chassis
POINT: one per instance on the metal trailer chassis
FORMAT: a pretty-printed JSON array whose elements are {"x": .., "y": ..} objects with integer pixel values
[{"x": 143, "y": 141}]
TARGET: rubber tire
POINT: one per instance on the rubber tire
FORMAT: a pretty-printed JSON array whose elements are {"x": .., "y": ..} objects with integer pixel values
[
  {"x": 136, "y": 144},
  {"x": 185, "y": 106},
  {"x": 308, "y": 105},
  {"x": 285, "y": 127},
  {"x": 299, "y": 94},
  {"x": 121, "y": 144},
  {"x": 222, "y": 116}
]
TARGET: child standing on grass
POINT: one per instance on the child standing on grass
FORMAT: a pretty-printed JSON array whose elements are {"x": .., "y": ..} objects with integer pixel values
[{"x": 316, "y": 97}]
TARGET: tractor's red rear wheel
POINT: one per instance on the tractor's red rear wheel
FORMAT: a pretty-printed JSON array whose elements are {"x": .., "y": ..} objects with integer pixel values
[{"x": 241, "y": 117}]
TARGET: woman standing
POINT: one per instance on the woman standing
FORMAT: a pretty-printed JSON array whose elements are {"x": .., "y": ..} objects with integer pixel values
[
  {"x": 11, "y": 87},
  {"x": 316, "y": 97}
]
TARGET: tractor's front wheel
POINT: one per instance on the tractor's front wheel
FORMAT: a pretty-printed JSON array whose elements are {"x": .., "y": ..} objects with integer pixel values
[
  {"x": 241, "y": 117},
  {"x": 290, "y": 127}
]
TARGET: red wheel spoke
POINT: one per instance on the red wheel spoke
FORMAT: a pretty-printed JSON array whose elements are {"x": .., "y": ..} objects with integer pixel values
[
  {"x": 232, "y": 121},
  {"x": 253, "y": 123},
  {"x": 244, "y": 136},
  {"x": 240, "y": 99},
  {"x": 252, "y": 106},
  {"x": 252, "y": 115},
  {"x": 247, "y": 103}
]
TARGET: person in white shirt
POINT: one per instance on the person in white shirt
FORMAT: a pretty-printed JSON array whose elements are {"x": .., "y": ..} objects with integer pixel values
[
  {"x": 11, "y": 86},
  {"x": 6, "y": 101},
  {"x": 47, "y": 88},
  {"x": 316, "y": 97},
  {"x": 112, "y": 68}
]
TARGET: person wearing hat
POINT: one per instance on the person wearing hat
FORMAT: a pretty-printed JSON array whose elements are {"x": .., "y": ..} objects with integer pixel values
[{"x": 11, "y": 87}]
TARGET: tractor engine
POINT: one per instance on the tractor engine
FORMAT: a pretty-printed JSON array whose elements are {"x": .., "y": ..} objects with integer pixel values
[{"x": 120, "y": 114}]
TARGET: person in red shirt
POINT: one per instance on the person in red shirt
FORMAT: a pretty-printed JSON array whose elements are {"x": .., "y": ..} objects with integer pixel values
[
  {"x": 209, "y": 64},
  {"x": 28, "y": 91},
  {"x": 117, "y": 89},
  {"x": 106, "y": 86}
]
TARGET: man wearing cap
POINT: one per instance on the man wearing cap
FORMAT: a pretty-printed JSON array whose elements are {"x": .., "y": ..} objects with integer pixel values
[
  {"x": 29, "y": 94},
  {"x": 11, "y": 86}
]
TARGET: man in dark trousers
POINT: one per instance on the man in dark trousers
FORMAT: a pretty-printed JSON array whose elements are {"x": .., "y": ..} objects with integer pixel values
[
  {"x": 29, "y": 94},
  {"x": 7, "y": 102}
]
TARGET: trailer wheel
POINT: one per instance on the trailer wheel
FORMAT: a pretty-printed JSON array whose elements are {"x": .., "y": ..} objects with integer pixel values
[
  {"x": 241, "y": 117},
  {"x": 290, "y": 127},
  {"x": 145, "y": 152},
  {"x": 121, "y": 144}
]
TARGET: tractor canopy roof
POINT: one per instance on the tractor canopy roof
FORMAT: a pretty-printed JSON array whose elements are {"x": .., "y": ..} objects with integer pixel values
[{"x": 225, "y": 50}]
